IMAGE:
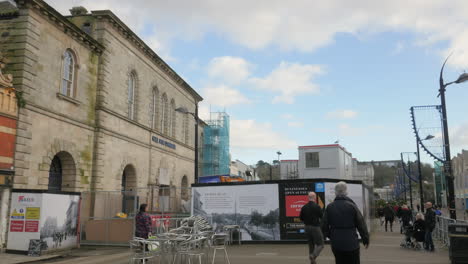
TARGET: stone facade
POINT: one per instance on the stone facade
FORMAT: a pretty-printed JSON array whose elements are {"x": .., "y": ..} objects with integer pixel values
[{"x": 90, "y": 131}]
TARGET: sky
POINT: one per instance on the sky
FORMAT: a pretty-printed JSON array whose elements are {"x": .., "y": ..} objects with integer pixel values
[{"x": 311, "y": 72}]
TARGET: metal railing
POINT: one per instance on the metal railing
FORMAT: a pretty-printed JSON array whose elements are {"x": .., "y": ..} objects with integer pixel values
[{"x": 441, "y": 229}]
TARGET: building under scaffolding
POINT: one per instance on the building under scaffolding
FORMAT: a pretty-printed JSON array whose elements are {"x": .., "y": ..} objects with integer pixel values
[{"x": 216, "y": 157}]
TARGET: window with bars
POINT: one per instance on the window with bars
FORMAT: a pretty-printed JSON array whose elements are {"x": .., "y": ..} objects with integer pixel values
[
  {"x": 312, "y": 160},
  {"x": 68, "y": 74}
]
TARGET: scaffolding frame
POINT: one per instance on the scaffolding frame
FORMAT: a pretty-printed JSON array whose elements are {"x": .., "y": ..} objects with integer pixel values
[{"x": 216, "y": 158}]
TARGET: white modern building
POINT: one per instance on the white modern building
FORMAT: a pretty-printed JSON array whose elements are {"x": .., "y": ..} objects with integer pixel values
[
  {"x": 246, "y": 172},
  {"x": 460, "y": 173},
  {"x": 326, "y": 161}
]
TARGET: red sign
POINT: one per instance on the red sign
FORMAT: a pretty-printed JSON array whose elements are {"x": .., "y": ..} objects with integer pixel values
[
  {"x": 16, "y": 226},
  {"x": 294, "y": 204},
  {"x": 32, "y": 226}
]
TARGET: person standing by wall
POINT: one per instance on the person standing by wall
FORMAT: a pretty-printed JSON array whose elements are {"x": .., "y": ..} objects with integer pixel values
[
  {"x": 143, "y": 226},
  {"x": 311, "y": 215},
  {"x": 340, "y": 221}
]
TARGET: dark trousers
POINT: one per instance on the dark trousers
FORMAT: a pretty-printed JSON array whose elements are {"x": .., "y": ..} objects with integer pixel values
[
  {"x": 428, "y": 243},
  {"x": 388, "y": 220},
  {"x": 315, "y": 240},
  {"x": 346, "y": 257}
]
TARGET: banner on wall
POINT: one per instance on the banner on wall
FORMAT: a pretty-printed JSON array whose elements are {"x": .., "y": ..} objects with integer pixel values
[
  {"x": 253, "y": 207},
  {"x": 293, "y": 196},
  {"x": 50, "y": 218}
]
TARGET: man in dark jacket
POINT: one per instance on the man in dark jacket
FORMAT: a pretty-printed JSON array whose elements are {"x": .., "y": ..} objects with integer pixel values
[
  {"x": 406, "y": 216},
  {"x": 389, "y": 214},
  {"x": 311, "y": 215},
  {"x": 430, "y": 221},
  {"x": 340, "y": 221}
]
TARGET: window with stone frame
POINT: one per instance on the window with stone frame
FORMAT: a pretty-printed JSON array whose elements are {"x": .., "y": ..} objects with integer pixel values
[
  {"x": 164, "y": 114},
  {"x": 69, "y": 70},
  {"x": 154, "y": 109},
  {"x": 173, "y": 119},
  {"x": 131, "y": 95}
]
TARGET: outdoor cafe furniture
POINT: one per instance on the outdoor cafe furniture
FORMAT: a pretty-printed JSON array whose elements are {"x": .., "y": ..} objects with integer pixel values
[
  {"x": 219, "y": 242},
  {"x": 230, "y": 229}
]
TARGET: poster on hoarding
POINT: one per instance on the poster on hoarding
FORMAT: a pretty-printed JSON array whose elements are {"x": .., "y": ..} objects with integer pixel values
[
  {"x": 293, "y": 196},
  {"x": 355, "y": 193},
  {"x": 24, "y": 220},
  {"x": 59, "y": 222},
  {"x": 50, "y": 218},
  {"x": 253, "y": 207}
]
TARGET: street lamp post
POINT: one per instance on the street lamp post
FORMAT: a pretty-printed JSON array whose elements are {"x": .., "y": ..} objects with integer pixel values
[
  {"x": 279, "y": 164},
  {"x": 421, "y": 195},
  {"x": 195, "y": 116},
  {"x": 448, "y": 163}
]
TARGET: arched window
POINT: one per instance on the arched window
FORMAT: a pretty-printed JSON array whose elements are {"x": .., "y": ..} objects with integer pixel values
[
  {"x": 131, "y": 95},
  {"x": 164, "y": 114},
  {"x": 173, "y": 119},
  {"x": 68, "y": 74},
  {"x": 154, "y": 109}
]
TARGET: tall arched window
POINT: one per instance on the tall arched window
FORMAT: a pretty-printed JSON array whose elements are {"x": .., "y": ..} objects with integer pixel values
[
  {"x": 173, "y": 118},
  {"x": 131, "y": 95},
  {"x": 68, "y": 74},
  {"x": 154, "y": 109},
  {"x": 164, "y": 114}
]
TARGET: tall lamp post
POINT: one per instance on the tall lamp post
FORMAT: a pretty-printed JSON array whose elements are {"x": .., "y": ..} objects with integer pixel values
[
  {"x": 279, "y": 164},
  {"x": 448, "y": 164},
  {"x": 421, "y": 194},
  {"x": 184, "y": 110}
]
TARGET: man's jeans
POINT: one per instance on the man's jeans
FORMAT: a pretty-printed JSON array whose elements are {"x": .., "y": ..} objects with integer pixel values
[{"x": 428, "y": 243}]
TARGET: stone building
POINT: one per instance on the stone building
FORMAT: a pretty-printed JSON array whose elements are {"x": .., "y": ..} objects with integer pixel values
[
  {"x": 100, "y": 107},
  {"x": 8, "y": 119}
]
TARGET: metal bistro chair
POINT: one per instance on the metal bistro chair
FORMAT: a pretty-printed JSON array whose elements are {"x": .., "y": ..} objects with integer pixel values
[
  {"x": 219, "y": 242},
  {"x": 230, "y": 229},
  {"x": 141, "y": 250}
]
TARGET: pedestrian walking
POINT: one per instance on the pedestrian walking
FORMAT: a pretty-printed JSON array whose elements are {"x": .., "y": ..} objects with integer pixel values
[
  {"x": 311, "y": 215},
  {"x": 418, "y": 207},
  {"x": 340, "y": 221},
  {"x": 429, "y": 219},
  {"x": 380, "y": 214},
  {"x": 406, "y": 216},
  {"x": 389, "y": 215},
  {"x": 143, "y": 227}
]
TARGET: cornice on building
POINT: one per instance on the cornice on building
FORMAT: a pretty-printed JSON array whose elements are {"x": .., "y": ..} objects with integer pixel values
[
  {"x": 125, "y": 31},
  {"x": 68, "y": 27}
]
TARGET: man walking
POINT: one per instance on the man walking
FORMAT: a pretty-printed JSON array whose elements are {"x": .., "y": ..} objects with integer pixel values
[
  {"x": 340, "y": 221},
  {"x": 429, "y": 219},
  {"x": 311, "y": 215},
  {"x": 389, "y": 215}
]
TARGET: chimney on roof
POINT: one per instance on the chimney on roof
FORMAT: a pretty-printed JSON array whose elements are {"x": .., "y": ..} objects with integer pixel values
[{"x": 78, "y": 10}]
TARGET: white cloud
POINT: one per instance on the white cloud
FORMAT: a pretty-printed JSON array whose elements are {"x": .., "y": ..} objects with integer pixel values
[
  {"x": 346, "y": 130},
  {"x": 295, "y": 124},
  {"x": 302, "y": 25},
  {"x": 287, "y": 116},
  {"x": 230, "y": 69},
  {"x": 289, "y": 80},
  {"x": 224, "y": 96},
  {"x": 341, "y": 114},
  {"x": 459, "y": 137},
  {"x": 160, "y": 47},
  {"x": 250, "y": 134}
]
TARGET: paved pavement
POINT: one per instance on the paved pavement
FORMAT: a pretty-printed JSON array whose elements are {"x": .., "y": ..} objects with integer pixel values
[{"x": 384, "y": 249}]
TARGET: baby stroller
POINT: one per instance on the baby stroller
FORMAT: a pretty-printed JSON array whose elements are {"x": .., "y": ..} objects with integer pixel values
[
  {"x": 408, "y": 232},
  {"x": 418, "y": 234}
]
